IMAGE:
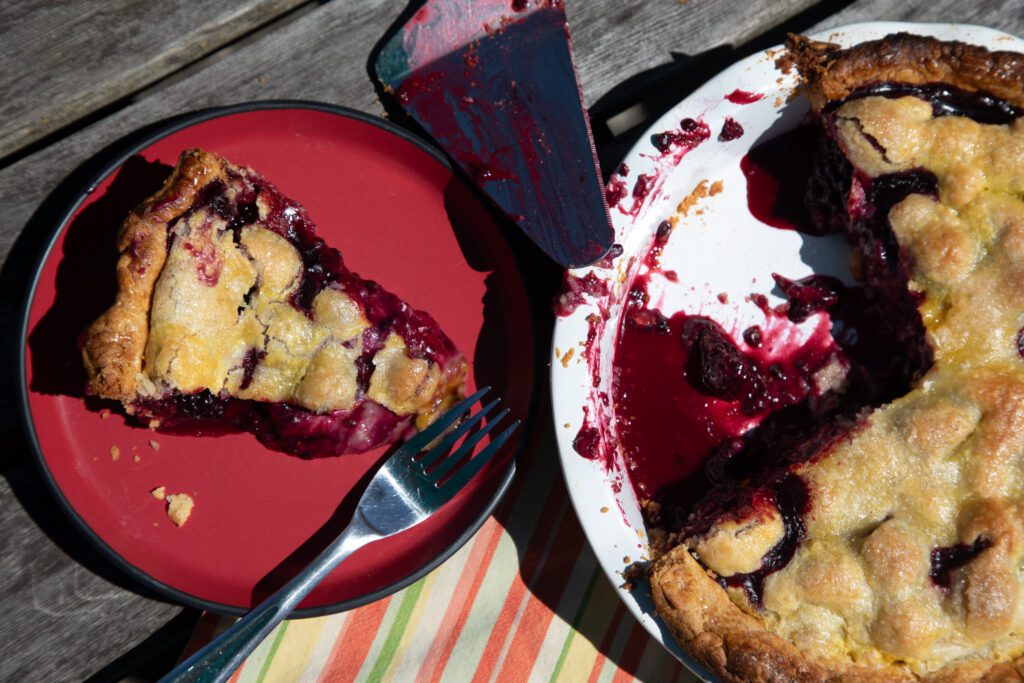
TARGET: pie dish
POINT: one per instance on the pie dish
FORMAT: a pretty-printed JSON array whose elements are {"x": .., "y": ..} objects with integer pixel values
[
  {"x": 232, "y": 314},
  {"x": 886, "y": 543}
]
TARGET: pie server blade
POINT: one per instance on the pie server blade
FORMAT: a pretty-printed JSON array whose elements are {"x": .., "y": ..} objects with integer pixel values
[{"x": 494, "y": 83}]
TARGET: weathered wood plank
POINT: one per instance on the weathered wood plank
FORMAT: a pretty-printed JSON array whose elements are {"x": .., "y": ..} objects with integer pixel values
[
  {"x": 335, "y": 41},
  {"x": 615, "y": 41},
  {"x": 1005, "y": 15},
  {"x": 62, "y": 622},
  {"x": 63, "y": 60}
]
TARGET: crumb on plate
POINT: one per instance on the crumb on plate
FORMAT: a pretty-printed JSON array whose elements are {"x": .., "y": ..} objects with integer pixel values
[
  {"x": 179, "y": 507},
  {"x": 160, "y": 492},
  {"x": 690, "y": 200},
  {"x": 115, "y": 453}
]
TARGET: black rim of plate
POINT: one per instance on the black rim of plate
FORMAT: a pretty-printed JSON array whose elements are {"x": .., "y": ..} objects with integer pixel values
[{"x": 175, "y": 125}]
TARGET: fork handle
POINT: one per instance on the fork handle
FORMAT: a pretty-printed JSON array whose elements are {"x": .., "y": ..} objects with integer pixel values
[{"x": 218, "y": 660}]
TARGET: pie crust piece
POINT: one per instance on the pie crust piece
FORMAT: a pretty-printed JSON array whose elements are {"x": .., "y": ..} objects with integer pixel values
[
  {"x": 831, "y": 73},
  {"x": 231, "y": 309},
  {"x": 912, "y": 538}
]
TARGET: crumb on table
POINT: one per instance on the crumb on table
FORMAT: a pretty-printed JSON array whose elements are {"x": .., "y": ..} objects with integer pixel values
[
  {"x": 155, "y": 445},
  {"x": 115, "y": 453},
  {"x": 160, "y": 492},
  {"x": 179, "y": 507}
]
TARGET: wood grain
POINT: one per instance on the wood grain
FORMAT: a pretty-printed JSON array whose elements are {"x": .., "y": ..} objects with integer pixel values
[
  {"x": 1005, "y": 15},
  {"x": 61, "y": 621},
  {"x": 332, "y": 66},
  {"x": 334, "y": 70},
  {"x": 615, "y": 41},
  {"x": 63, "y": 60},
  {"x": 66, "y": 614}
]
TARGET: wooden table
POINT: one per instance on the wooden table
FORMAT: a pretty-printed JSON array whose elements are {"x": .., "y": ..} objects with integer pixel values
[{"x": 77, "y": 77}]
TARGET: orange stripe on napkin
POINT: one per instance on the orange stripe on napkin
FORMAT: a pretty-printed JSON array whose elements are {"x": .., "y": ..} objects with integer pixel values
[
  {"x": 555, "y": 510},
  {"x": 354, "y": 641},
  {"x": 546, "y": 590},
  {"x": 473, "y": 573}
]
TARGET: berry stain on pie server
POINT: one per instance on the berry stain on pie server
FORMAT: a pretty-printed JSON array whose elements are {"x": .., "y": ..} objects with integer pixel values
[
  {"x": 494, "y": 83},
  {"x": 232, "y": 315}
]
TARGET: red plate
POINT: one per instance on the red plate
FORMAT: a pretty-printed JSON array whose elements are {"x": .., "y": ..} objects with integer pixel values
[{"x": 394, "y": 208}]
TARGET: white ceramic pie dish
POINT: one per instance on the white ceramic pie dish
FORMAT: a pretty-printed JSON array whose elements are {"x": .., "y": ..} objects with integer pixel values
[{"x": 719, "y": 247}]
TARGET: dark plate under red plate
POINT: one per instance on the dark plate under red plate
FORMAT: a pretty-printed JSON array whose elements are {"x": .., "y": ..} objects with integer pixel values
[{"x": 394, "y": 208}]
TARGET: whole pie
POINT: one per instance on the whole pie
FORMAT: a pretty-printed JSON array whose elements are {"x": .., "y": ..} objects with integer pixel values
[
  {"x": 231, "y": 314},
  {"x": 888, "y": 545}
]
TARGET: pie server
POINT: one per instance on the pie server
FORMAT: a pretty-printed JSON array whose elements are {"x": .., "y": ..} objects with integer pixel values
[{"x": 494, "y": 83}]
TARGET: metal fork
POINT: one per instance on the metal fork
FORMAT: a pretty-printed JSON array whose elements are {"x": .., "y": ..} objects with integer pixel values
[{"x": 405, "y": 491}]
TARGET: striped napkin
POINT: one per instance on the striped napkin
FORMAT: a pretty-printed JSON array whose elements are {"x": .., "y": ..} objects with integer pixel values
[{"x": 525, "y": 599}]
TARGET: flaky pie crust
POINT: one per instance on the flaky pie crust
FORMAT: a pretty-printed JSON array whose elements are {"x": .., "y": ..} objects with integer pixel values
[
  {"x": 114, "y": 344},
  {"x": 830, "y": 73}
]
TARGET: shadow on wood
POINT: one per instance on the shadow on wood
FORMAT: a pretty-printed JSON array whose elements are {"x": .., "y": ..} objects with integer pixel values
[{"x": 25, "y": 478}]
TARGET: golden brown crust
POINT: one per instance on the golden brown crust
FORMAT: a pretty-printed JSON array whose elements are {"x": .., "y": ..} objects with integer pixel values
[
  {"x": 115, "y": 342},
  {"x": 831, "y": 73},
  {"x": 730, "y": 643},
  {"x": 735, "y": 646}
]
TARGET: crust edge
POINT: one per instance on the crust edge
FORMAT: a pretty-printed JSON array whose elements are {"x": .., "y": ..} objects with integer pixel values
[
  {"x": 831, "y": 73},
  {"x": 737, "y": 648},
  {"x": 113, "y": 345},
  {"x": 733, "y": 645}
]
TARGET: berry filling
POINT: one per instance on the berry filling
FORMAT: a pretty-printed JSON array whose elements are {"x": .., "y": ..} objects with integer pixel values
[
  {"x": 944, "y": 561},
  {"x": 791, "y": 499},
  {"x": 279, "y": 426},
  {"x": 731, "y": 130}
]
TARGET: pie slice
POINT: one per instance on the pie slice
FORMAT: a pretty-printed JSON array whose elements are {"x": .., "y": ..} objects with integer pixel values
[
  {"x": 233, "y": 315},
  {"x": 889, "y": 547}
]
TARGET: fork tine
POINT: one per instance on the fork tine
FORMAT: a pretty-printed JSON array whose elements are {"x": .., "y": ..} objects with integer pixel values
[
  {"x": 466, "y": 449},
  {"x": 470, "y": 469},
  {"x": 421, "y": 440},
  {"x": 449, "y": 440}
]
